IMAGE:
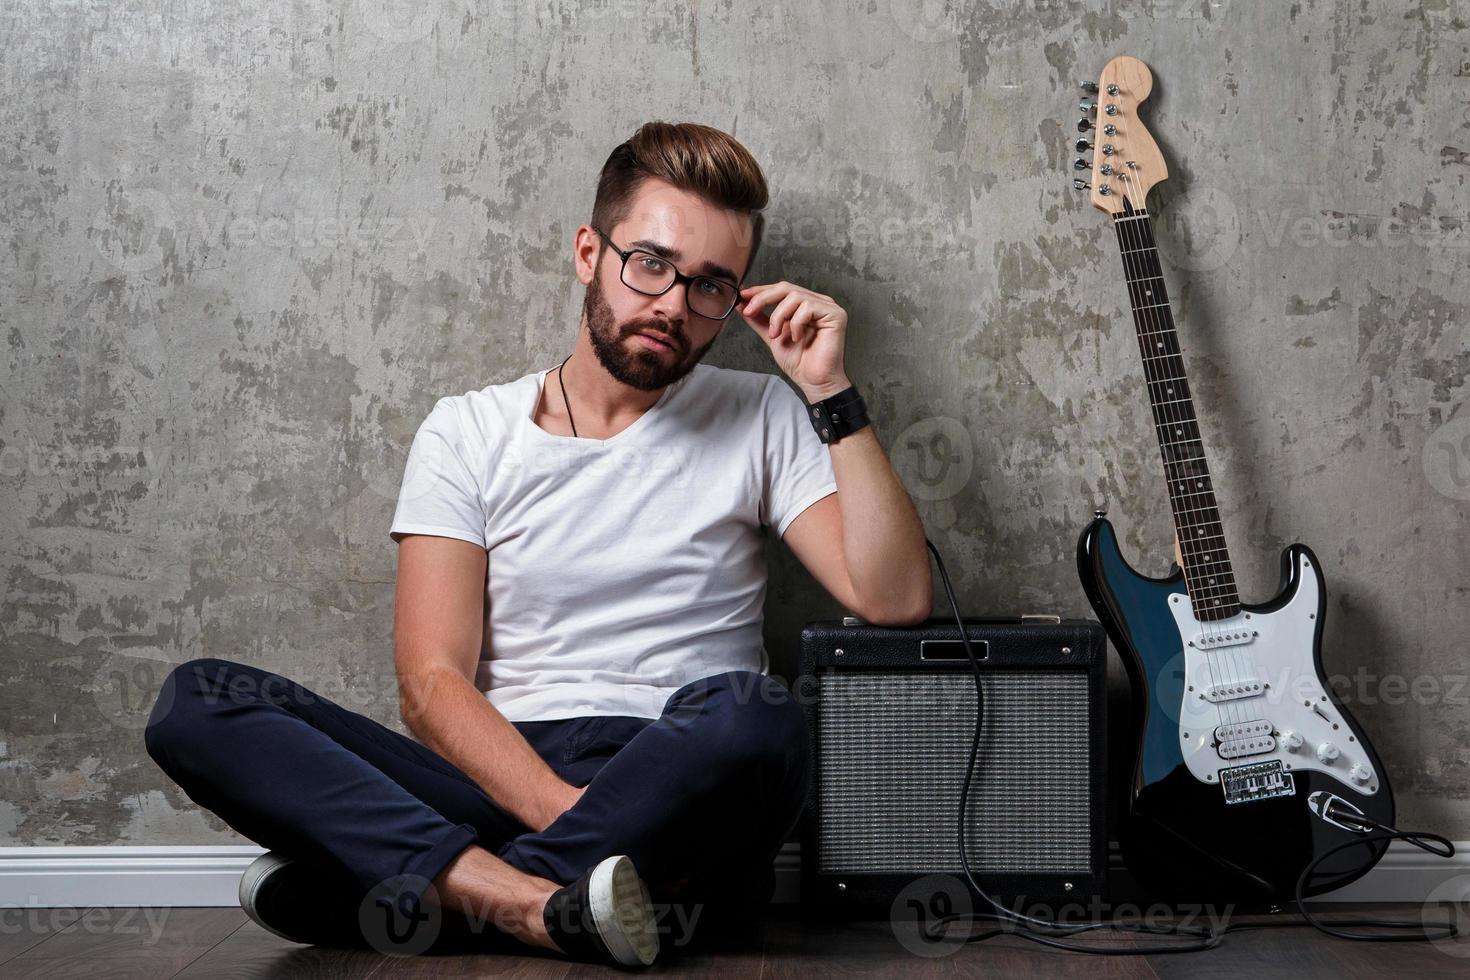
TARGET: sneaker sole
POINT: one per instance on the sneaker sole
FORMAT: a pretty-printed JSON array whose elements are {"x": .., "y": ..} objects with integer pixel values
[
  {"x": 623, "y": 912},
  {"x": 250, "y": 882}
]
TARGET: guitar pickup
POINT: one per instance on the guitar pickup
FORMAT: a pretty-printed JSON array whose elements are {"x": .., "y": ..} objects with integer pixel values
[
  {"x": 1233, "y": 691},
  {"x": 1246, "y": 729},
  {"x": 1237, "y": 748},
  {"x": 1230, "y": 638}
]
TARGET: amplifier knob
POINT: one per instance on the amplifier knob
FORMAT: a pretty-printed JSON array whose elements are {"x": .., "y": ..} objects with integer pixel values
[{"x": 1327, "y": 752}]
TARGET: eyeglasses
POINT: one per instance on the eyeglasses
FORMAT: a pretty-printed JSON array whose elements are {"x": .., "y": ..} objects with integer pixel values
[{"x": 654, "y": 275}]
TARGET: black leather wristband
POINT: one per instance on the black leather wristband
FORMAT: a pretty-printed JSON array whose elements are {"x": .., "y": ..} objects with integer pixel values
[{"x": 839, "y": 415}]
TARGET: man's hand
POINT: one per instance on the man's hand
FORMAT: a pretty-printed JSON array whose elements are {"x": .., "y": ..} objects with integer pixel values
[{"x": 806, "y": 332}]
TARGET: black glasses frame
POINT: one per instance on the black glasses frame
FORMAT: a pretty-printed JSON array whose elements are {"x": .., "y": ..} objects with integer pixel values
[{"x": 679, "y": 277}]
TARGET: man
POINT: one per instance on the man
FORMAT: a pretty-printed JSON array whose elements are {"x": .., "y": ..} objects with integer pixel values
[{"x": 578, "y": 623}]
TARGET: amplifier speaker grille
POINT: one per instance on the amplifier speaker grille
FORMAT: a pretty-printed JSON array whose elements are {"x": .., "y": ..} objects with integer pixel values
[{"x": 892, "y": 763}]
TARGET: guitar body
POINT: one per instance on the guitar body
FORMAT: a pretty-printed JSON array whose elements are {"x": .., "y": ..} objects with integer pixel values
[{"x": 1181, "y": 833}]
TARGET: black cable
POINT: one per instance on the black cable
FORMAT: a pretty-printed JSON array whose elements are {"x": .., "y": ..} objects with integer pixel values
[{"x": 1036, "y": 930}]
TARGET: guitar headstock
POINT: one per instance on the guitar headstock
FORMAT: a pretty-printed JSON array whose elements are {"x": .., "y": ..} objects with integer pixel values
[{"x": 1126, "y": 162}]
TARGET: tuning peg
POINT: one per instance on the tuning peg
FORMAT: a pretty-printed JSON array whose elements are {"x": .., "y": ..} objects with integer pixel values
[
  {"x": 1080, "y": 184},
  {"x": 1087, "y": 105},
  {"x": 1081, "y": 164},
  {"x": 1083, "y": 125},
  {"x": 1083, "y": 144},
  {"x": 1089, "y": 87}
]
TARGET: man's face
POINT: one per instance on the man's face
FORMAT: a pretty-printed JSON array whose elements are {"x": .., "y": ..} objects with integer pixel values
[{"x": 699, "y": 238}]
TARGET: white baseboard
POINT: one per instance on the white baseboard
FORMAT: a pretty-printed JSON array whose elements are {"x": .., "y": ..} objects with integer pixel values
[{"x": 80, "y": 877}]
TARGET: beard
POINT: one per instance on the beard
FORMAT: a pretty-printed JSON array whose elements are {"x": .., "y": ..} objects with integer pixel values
[{"x": 631, "y": 363}]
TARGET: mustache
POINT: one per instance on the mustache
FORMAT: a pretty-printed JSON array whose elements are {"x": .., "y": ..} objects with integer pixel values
[{"x": 657, "y": 326}]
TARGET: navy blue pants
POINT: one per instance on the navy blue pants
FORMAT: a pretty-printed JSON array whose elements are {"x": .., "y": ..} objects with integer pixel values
[{"x": 700, "y": 798}]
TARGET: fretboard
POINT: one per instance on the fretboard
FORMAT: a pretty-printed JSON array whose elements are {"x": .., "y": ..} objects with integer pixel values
[{"x": 1207, "y": 571}]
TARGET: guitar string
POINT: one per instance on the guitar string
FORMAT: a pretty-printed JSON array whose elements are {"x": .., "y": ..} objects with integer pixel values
[
  {"x": 1156, "y": 313},
  {"x": 1227, "y": 660},
  {"x": 1159, "y": 373},
  {"x": 1222, "y": 663},
  {"x": 1133, "y": 244}
]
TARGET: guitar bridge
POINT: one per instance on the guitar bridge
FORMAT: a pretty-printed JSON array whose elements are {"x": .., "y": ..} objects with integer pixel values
[{"x": 1261, "y": 781}]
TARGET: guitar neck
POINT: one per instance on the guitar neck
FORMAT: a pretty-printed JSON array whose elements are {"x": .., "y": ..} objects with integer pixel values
[{"x": 1207, "y": 571}]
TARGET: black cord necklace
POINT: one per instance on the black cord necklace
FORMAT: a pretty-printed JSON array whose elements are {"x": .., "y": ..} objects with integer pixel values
[{"x": 564, "y": 394}]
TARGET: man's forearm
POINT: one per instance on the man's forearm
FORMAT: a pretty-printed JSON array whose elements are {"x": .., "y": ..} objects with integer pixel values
[
  {"x": 882, "y": 535},
  {"x": 449, "y": 715}
]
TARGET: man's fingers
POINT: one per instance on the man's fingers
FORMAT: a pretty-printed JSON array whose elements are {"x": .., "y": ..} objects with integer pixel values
[{"x": 783, "y": 312}]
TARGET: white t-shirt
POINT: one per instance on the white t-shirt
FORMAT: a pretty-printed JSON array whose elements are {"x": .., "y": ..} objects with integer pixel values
[{"x": 619, "y": 569}]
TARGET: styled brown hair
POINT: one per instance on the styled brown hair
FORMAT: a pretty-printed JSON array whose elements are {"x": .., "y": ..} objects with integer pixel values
[{"x": 699, "y": 159}]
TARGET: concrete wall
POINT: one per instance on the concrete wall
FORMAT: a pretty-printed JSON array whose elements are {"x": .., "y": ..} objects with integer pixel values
[{"x": 246, "y": 247}]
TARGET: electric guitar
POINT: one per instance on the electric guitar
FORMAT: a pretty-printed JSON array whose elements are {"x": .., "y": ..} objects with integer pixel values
[{"x": 1241, "y": 743}]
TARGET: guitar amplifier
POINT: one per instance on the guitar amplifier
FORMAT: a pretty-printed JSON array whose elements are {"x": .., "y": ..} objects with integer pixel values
[{"x": 890, "y": 716}]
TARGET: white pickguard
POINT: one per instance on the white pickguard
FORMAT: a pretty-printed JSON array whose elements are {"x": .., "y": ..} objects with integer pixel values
[{"x": 1257, "y": 668}]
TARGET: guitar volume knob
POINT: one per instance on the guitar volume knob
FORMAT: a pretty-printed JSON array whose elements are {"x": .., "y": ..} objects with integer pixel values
[
  {"x": 1291, "y": 741},
  {"x": 1358, "y": 774},
  {"x": 1327, "y": 753}
]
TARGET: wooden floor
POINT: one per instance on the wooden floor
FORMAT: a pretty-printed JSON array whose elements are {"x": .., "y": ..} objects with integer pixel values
[{"x": 198, "y": 943}]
